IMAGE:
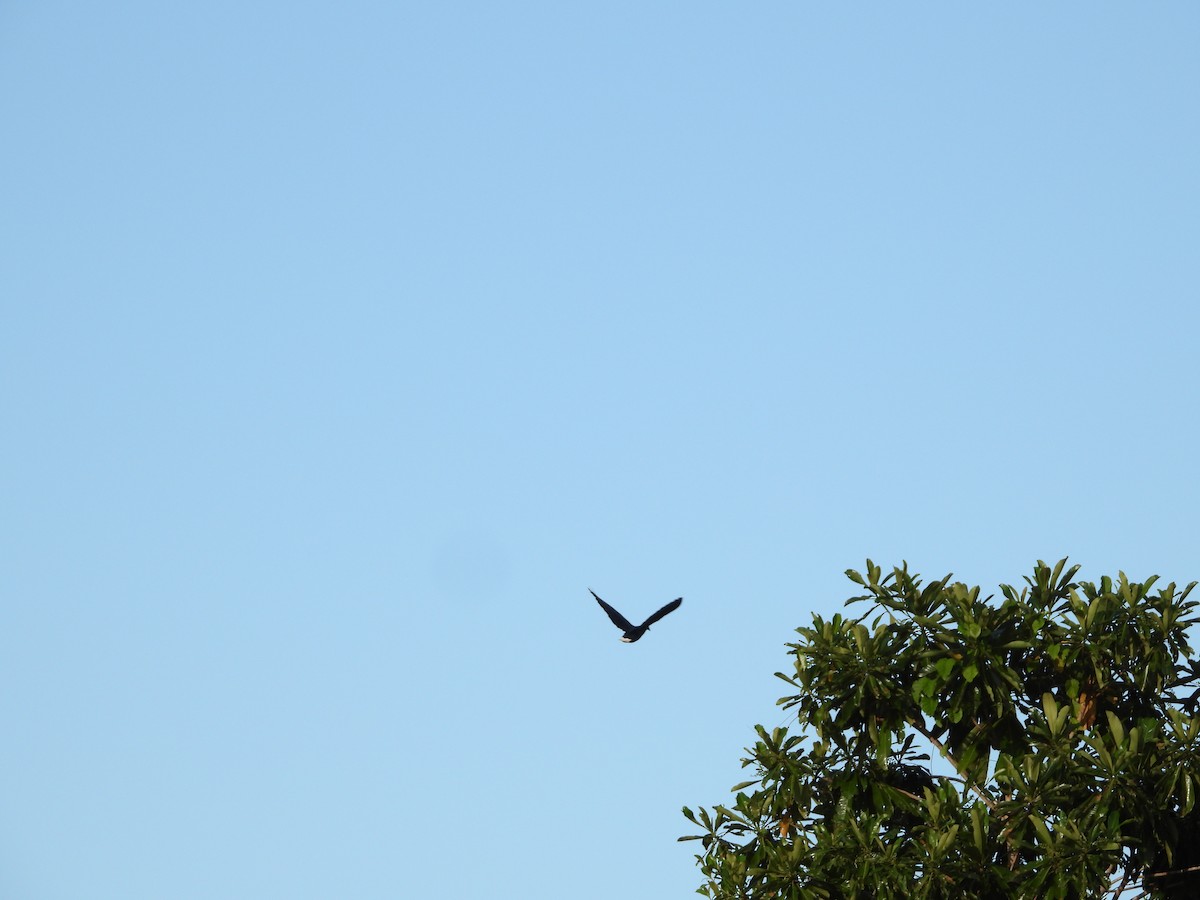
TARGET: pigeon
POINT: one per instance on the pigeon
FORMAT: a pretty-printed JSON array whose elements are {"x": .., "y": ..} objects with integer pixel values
[{"x": 634, "y": 632}]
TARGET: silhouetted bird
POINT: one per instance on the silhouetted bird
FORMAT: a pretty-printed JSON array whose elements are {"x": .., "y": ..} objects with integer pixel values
[{"x": 633, "y": 632}]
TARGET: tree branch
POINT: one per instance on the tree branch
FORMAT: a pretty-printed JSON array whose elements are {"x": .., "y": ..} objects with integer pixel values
[
  {"x": 941, "y": 748},
  {"x": 1121, "y": 887}
]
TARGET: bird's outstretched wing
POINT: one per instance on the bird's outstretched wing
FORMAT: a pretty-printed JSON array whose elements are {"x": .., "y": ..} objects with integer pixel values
[
  {"x": 617, "y": 619},
  {"x": 666, "y": 610}
]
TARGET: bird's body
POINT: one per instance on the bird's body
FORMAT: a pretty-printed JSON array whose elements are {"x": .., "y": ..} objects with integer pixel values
[{"x": 634, "y": 632}]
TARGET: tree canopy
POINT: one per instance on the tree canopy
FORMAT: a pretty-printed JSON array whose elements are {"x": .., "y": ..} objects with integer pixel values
[{"x": 1061, "y": 721}]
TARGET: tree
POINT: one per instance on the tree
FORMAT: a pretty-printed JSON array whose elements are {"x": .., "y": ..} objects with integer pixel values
[{"x": 1066, "y": 745}]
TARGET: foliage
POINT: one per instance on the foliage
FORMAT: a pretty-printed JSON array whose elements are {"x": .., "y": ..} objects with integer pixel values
[{"x": 1071, "y": 761}]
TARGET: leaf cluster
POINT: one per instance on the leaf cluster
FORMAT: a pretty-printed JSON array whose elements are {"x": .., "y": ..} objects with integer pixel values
[{"x": 1061, "y": 721}]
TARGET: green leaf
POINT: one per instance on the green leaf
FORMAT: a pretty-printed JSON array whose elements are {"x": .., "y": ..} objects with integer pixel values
[
  {"x": 1049, "y": 706},
  {"x": 947, "y": 839},
  {"x": 922, "y": 687},
  {"x": 1115, "y": 726},
  {"x": 977, "y": 827},
  {"x": 1039, "y": 826}
]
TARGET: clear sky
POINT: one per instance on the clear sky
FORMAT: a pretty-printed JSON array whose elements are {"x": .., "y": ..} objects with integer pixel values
[{"x": 343, "y": 347}]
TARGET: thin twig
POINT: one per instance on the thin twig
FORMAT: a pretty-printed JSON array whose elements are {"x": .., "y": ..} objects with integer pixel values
[
  {"x": 1174, "y": 871},
  {"x": 991, "y": 803},
  {"x": 1121, "y": 888}
]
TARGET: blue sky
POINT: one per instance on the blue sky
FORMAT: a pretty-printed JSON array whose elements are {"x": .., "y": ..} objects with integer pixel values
[{"x": 343, "y": 347}]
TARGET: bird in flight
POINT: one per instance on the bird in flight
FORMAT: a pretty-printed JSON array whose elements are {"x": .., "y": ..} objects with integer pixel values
[{"x": 633, "y": 632}]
